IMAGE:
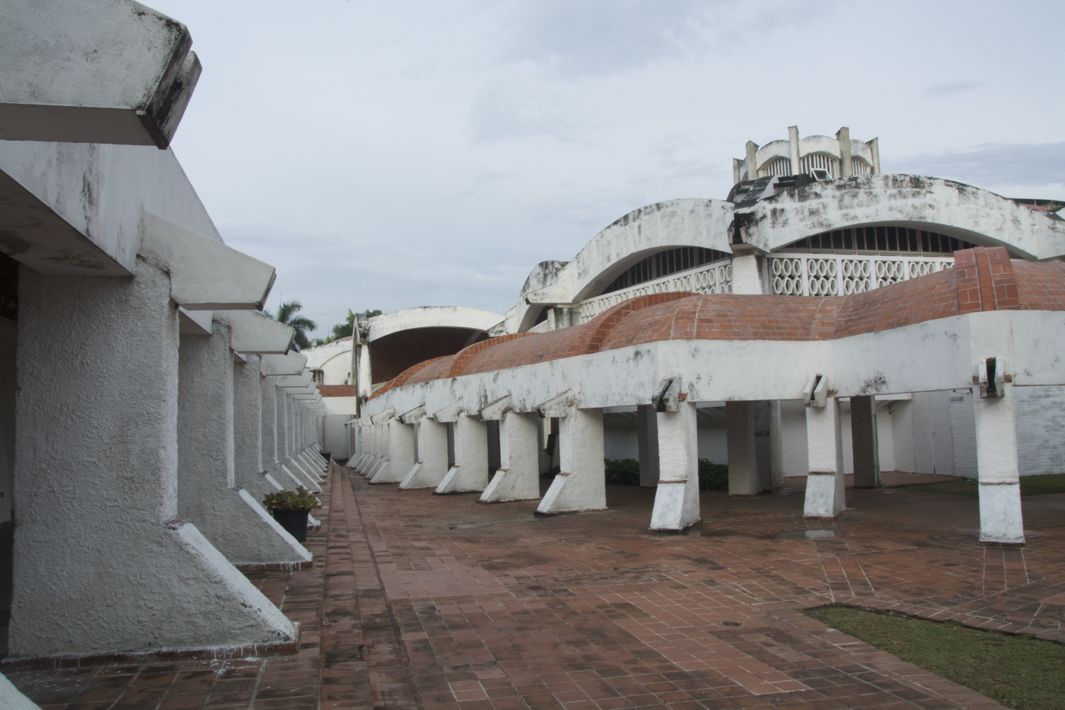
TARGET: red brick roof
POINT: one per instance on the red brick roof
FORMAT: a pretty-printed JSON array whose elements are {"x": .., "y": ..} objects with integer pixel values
[
  {"x": 983, "y": 279},
  {"x": 336, "y": 390}
]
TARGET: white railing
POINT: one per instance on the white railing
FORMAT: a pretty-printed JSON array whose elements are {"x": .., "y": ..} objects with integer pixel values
[
  {"x": 842, "y": 274},
  {"x": 709, "y": 278}
]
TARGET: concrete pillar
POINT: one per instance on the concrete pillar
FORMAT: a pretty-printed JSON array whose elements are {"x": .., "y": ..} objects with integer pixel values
[
  {"x": 268, "y": 436},
  {"x": 746, "y": 278},
  {"x": 742, "y": 456},
  {"x": 776, "y": 445},
  {"x": 874, "y": 149},
  {"x": 470, "y": 472},
  {"x": 843, "y": 135},
  {"x": 431, "y": 466},
  {"x": 864, "y": 442},
  {"x": 824, "y": 444},
  {"x": 380, "y": 445},
  {"x": 752, "y": 160},
  {"x": 677, "y": 497},
  {"x": 286, "y": 424},
  {"x": 96, "y": 479},
  {"x": 247, "y": 428},
  {"x": 647, "y": 443},
  {"x": 13, "y": 699},
  {"x": 208, "y": 495},
  {"x": 1001, "y": 519},
  {"x": 581, "y": 484},
  {"x": 793, "y": 150},
  {"x": 400, "y": 452},
  {"x": 518, "y": 477}
]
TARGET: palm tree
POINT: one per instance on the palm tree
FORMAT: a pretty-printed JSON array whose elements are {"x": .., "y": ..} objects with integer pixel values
[{"x": 286, "y": 313}]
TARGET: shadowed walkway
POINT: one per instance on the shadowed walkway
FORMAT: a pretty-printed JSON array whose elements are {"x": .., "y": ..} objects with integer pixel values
[{"x": 416, "y": 600}]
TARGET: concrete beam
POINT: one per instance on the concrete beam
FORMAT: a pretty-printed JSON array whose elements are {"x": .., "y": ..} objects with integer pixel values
[
  {"x": 95, "y": 71},
  {"x": 291, "y": 363},
  {"x": 205, "y": 273},
  {"x": 255, "y": 332}
]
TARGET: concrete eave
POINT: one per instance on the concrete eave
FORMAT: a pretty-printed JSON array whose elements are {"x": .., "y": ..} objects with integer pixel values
[
  {"x": 205, "y": 274},
  {"x": 294, "y": 381},
  {"x": 95, "y": 71},
  {"x": 559, "y": 405},
  {"x": 195, "y": 322},
  {"x": 413, "y": 415},
  {"x": 291, "y": 363},
  {"x": 495, "y": 410},
  {"x": 254, "y": 332}
]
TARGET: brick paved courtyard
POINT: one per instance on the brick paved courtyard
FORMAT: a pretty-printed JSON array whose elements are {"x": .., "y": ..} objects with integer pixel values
[{"x": 416, "y": 600}]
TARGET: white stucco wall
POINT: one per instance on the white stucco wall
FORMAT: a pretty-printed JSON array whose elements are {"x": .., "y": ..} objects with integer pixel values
[
  {"x": 101, "y": 564},
  {"x": 339, "y": 411},
  {"x": 1041, "y": 429}
]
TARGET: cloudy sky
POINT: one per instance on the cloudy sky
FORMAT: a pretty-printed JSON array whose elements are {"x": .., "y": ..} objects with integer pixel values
[{"x": 399, "y": 153}]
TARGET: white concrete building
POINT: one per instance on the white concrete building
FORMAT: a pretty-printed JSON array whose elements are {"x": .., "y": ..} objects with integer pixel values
[
  {"x": 679, "y": 332},
  {"x": 147, "y": 403}
]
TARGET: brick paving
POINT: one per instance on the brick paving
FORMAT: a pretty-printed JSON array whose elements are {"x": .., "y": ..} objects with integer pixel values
[{"x": 416, "y": 600}]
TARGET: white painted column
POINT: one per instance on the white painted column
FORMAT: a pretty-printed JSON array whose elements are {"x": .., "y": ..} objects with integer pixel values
[
  {"x": 380, "y": 435},
  {"x": 824, "y": 444},
  {"x": 292, "y": 474},
  {"x": 470, "y": 472},
  {"x": 1001, "y": 519},
  {"x": 864, "y": 442},
  {"x": 400, "y": 452},
  {"x": 647, "y": 443},
  {"x": 431, "y": 466},
  {"x": 96, "y": 482},
  {"x": 247, "y": 428},
  {"x": 581, "y": 484},
  {"x": 677, "y": 497},
  {"x": 231, "y": 518},
  {"x": 746, "y": 279},
  {"x": 518, "y": 477},
  {"x": 742, "y": 456}
]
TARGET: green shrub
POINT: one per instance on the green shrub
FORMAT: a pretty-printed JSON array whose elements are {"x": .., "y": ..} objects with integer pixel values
[
  {"x": 299, "y": 500},
  {"x": 712, "y": 476},
  {"x": 626, "y": 472},
  {"x": 622, "y": 472}
]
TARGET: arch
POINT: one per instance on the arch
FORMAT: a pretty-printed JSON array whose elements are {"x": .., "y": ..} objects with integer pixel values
[
  {"x": 673, "y": 224},
  {"x": 954, "y": 209},
  {"x": 779, "y": 166},
  {"x": 819, "y": 160}
]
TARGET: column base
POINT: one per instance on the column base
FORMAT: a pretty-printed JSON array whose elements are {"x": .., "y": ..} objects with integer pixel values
[
  {"x": 508, "y": 485},
  {"x": 574, "y": 493},
  {"x": 460, "y": 480},
  {"x": 676, "y": 506},
  {"x": 824, "y": 495},
  {"x": 1001, "y": 519}
]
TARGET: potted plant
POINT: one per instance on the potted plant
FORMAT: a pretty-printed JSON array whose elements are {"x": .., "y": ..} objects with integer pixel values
[{"x": 290, "y": 509}]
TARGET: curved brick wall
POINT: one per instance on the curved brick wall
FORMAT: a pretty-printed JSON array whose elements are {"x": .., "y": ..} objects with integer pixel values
[{"x": 983, "y": 279}]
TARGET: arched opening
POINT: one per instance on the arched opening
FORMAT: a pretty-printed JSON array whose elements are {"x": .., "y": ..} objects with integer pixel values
[
  {"x": 775, "y": 167},
  {"x": 395, "y": 352},
  {"x": 819, "y": 161},
  {"x": 664, "y": 263}
]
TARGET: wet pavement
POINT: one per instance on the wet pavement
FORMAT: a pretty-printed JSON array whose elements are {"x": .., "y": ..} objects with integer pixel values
[{"x": 417, "y": 600}]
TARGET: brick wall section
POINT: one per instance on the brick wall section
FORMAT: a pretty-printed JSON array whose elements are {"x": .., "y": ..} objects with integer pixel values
[
  {"x": 1041, "y": 286},
  {"x": 465, "y": 357},
  {"x": 982, "y": 279},
  {"x": 336, "y": 390}
]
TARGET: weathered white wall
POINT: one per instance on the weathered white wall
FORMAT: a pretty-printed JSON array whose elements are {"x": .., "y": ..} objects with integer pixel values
[
  {"x": 1041, "y": 429},
  {"x": 336, "y": 439},
  {"x": 237, "y": 525},
  {"x": 101, "y": 565}
]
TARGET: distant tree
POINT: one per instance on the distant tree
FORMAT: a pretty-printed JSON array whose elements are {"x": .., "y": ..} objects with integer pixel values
[
  {"x": 344, "y": 330},
  {"x": 286, "y": 313}
]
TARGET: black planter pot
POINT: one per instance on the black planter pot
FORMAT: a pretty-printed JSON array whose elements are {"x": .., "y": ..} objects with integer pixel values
[{"x": 294, "y": 522}]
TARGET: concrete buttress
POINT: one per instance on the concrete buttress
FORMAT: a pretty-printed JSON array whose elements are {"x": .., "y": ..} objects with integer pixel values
[
  {"x": 102, "y": 564},
  {"x": 677, "y": 497},
  {"x": 208, "y": 494},
  {"x": 581, "y": 482}
]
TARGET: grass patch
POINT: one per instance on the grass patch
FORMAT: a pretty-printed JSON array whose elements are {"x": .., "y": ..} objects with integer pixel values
[
  {"x": 1017, "y": 671},
  {"x": 1030, "y": 486}
]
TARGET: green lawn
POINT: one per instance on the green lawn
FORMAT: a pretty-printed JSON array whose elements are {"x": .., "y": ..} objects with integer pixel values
[
  {"x": 1017, "y": 671},
  {"x": 1030, "y": 486}
]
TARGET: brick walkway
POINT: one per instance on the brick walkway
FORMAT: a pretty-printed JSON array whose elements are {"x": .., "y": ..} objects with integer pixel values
[{"x": 418, "y": 600}]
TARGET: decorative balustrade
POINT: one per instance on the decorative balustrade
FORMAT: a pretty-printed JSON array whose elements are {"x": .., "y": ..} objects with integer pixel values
[
  {"x": 842, "y": 274},
  {"x": 709, "y": 278}
]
